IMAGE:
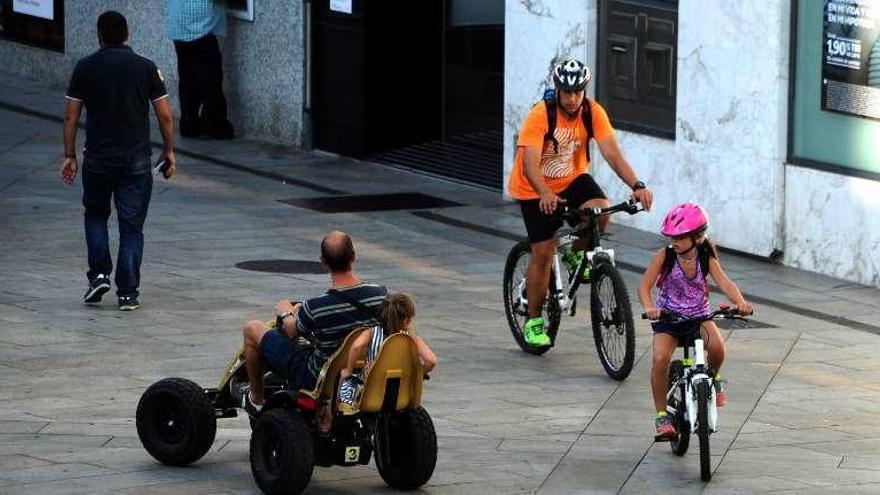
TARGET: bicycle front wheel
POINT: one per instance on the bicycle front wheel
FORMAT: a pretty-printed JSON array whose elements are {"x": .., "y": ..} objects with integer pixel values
[
  {"x": 703, "y": 429},
  {"x": 613, "y": 326},
  {"x": 515, "y": 303},
  {"x": 677, "y": 402}
]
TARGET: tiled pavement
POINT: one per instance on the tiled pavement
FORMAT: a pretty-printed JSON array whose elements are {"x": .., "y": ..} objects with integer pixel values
[{"x": 804, "y": 410}]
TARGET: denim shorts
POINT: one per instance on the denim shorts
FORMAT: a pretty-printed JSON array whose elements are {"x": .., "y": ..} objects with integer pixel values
[{"x": 287, "y": 359}]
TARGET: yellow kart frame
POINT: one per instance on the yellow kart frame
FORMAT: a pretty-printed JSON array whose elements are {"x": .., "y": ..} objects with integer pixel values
[{"x": 176, "y": 420}]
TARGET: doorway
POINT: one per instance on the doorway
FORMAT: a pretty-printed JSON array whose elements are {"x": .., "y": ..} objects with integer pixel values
[{"x": 425, "y": 95}]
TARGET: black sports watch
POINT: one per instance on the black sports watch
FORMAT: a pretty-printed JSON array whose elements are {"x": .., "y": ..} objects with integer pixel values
[
  {"x": 638, "y": 185},
  {"x": 279, "y": 318}
]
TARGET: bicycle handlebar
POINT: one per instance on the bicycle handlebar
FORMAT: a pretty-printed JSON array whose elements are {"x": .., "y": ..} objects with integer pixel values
[
  {"x": 630, "y": 206},
  {"x": 723, "y": 311}
]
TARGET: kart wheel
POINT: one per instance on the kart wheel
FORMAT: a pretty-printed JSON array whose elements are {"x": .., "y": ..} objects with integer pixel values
[
  {"x": 612, "y": 320},
  {"x": 176, "y": 422},
  {"x": 282, "y": 452},
  {"x": 517, "y": 314},
  {"x": 406, "y": 448},
  {"x": 682, "y": 441}
]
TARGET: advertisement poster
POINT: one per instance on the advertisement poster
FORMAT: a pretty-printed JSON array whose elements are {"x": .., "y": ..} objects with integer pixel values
[
  {"x": 851, "y": 57},
  {"x": 36, "y": 8}
]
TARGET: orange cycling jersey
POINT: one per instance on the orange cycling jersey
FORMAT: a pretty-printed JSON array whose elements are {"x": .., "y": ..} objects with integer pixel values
[{"x": 559, "y": 167}]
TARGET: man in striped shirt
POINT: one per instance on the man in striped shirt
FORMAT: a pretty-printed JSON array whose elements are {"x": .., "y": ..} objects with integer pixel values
[{"x": 324, "y": 320}]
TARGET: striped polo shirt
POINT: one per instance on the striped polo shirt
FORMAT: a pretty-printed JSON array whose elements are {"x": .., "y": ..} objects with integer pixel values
[{"x": 327, "y": 319}]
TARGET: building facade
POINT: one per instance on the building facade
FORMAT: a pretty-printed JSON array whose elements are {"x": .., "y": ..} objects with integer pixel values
[
  {"x": 780, "y": 177},
  {"x": 766, "y": 113},
  {"x": 262, "y": 54}
]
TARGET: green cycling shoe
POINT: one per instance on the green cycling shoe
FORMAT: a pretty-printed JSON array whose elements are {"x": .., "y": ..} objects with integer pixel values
[
  {"x": 572, "y": 260},
  {"x": 534, "y": 333}
]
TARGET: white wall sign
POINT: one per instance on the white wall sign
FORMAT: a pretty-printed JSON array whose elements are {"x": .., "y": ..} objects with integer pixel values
[
  {"x": 36, "y": 8},
  {"x": 241, "y": 9},
  {"x": 343, "y": 6}
]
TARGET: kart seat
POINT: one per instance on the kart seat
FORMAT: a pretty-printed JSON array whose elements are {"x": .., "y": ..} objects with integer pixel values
[
  {"x": 329, "y": 375},
  {"x": 394, "y": 380}
]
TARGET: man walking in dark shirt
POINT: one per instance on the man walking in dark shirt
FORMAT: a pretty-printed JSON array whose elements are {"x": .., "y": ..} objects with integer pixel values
[{"x": 116, "y": 86}]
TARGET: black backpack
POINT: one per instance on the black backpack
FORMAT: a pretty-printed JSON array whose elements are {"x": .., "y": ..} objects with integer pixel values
[{"x": 586, "y": 116}]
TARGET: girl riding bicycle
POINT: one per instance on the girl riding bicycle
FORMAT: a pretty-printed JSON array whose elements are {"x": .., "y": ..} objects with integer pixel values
[{"x": 680, "y": 271}]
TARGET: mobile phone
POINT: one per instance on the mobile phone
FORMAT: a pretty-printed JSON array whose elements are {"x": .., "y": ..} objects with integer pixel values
[{"x": 161, "y": 166}]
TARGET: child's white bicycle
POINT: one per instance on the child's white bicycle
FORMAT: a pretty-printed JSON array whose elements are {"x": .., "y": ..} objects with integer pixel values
[{"x": 691, "y": 396}]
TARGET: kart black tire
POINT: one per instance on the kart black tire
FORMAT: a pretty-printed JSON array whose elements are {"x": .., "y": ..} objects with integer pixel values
[
  {"x": 408, "y": 441},
  {"x": 552, "y": 312},
  {"x": 282, "y": 452},
  {"x": 176, "y": 422},
  {"x": 703, "y": 429},
  {"x": 617, "y": 366},
  {"x": 680, "y": 442}
]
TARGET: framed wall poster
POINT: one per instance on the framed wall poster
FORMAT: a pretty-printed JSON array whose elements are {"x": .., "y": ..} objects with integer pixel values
[
  {"x": 38, "y": 23},
  {"x": 241, "y": 9},
  {"x": 851, "y": 57},
  {"x": 827, "y": 131},
  {"x": 36, "y": 8}
]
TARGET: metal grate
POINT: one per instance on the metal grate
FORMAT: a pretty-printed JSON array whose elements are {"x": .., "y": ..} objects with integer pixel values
[
  {"x": 731, "y": 324},
  {"x": 475, "y": 158},
  {"x": 282, "y": 266},
  {"x": 371, "y": 202}
]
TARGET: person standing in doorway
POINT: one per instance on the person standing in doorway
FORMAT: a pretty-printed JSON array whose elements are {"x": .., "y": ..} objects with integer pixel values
[
  {"x": 194, "y": 25},
  {"x": 116, "y": 86}
]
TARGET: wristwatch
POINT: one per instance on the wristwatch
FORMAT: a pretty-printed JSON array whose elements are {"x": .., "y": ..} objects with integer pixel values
[
  {"x": 638, "y": 185},
  {"x": 279, "y": 318}
]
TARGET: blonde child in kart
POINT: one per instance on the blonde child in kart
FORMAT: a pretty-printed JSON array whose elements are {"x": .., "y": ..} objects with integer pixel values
[{"x": 396, "y": 315}]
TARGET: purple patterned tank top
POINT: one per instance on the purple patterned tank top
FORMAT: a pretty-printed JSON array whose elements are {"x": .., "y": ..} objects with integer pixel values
[{"x": 682, "y": 295}]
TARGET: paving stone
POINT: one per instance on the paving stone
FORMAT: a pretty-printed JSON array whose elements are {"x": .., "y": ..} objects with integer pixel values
[{"x": 804, "y": 410}]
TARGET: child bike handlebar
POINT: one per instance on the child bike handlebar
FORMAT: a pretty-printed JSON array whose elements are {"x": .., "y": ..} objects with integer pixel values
[{"x": 723, "y": 311}]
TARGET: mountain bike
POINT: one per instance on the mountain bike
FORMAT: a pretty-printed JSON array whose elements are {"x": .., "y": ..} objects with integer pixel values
[
  {"x": 691, "y": 396},
  {"x": 610, "y": 311}
]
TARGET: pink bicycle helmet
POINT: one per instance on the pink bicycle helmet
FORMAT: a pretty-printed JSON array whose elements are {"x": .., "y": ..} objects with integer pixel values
[{"x": 686, "y": 218}]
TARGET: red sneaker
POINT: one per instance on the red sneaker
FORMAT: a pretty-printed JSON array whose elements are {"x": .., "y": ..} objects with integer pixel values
[{"x": 720, "y": 395}]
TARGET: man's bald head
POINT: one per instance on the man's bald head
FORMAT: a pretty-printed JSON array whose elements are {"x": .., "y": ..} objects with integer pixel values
[{"x": 337, "y": 252}]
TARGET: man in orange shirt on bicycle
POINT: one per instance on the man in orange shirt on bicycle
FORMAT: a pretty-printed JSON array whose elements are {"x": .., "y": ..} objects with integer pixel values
[{"x": 552, "y": 167}]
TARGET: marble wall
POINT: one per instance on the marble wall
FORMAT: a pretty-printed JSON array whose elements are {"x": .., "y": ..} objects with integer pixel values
[
  {"x": 832, "y": 224},
  {"x": 263, "y": 59},
  {"x": 731, "y": 117}
]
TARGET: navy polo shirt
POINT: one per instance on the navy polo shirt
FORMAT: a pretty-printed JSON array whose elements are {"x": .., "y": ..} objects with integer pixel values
[{"x": 116, "y": 86}]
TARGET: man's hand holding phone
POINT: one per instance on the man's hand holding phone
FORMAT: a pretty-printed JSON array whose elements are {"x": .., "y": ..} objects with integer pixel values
[{"x": 166, "y": 165}]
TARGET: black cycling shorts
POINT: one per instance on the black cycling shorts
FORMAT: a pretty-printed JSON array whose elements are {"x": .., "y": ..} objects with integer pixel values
[{"x": 541, "y": 227}]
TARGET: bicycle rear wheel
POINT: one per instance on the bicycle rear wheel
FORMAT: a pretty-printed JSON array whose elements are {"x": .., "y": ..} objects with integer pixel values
[
  {"x": 613, "y": 326},
  {"x": 682, "y": 441},
  {"x": 703, "y": 429},
  {"x": 515, "y": 307}
]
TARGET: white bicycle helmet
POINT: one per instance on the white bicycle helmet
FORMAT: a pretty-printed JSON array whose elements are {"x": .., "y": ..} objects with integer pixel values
[{"x": 571, "y": 75}]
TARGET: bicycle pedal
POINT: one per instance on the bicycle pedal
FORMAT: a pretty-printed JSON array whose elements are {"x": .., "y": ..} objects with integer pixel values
[{"x": 663, "y": 438}]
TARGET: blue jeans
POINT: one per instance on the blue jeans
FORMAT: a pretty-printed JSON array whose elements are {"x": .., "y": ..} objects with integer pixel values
[{"x": 130, "y": 186}]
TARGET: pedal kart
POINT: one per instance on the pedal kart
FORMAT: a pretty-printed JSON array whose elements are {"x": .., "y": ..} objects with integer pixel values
[{"x": 177, "y": 421}]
